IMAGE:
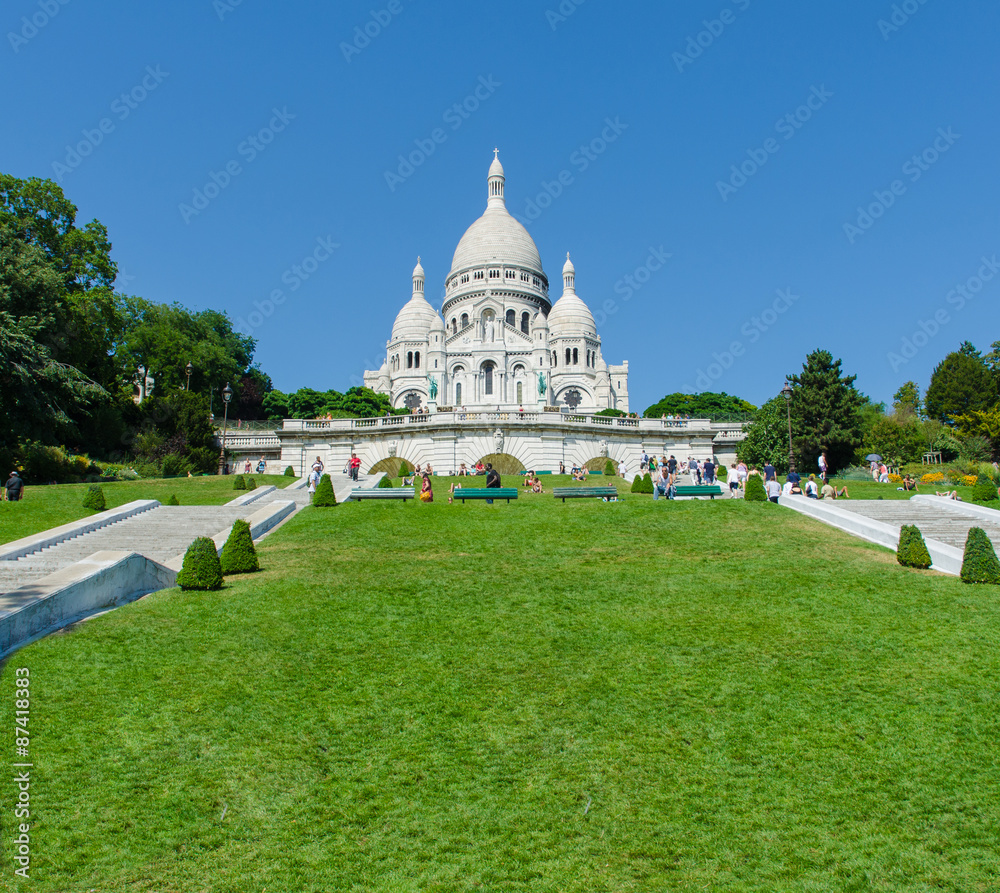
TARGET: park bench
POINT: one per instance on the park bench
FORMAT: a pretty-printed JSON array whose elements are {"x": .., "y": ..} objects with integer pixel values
[
  {"x": 464, "y": 493},
  {"x": 710, "y": 490},
  {"x": 403, "y": 493},
  {"x": 565, "y": 493}
]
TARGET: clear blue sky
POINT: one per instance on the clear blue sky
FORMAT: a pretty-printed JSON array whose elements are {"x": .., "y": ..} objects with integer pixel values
[{"x": 200, "y": 77}]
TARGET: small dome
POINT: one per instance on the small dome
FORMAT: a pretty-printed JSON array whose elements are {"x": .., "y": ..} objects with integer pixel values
[
  {"x": 568, "y": 266},
  {"x": 496, "y": 237},
  {"x": 496, "y": 169},
  {"x": 570, "y": 316},
  {"x": 418, "y": 270},
  {"x": 415, "y": 320}
]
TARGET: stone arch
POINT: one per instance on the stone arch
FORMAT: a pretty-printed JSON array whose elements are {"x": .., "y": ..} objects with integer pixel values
[
  {"x": 505, "y": 463},
  {"x": 390, "y": 465}
]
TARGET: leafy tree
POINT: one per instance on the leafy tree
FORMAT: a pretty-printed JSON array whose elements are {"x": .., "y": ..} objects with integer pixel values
[
  {"x": 981, "y": 423},
  {"x": 960, "y": 383},
  {"x": 175, "y": 425},
  {"x": 307, "y": 403},
  {"x": 906, "y": 401},
  {"x": 700, "y": 406},
  {"x": 767, "y": 436},
  {"x": 826, "y": 412},
  {"x": 897, "y": 438}
]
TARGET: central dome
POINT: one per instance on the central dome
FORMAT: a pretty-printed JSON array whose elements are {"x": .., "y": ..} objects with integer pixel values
[{"x": 496, "y": 237}]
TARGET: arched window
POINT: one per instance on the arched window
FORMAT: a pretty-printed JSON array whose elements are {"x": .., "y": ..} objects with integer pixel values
[
  {"x": 510, "y": 317},
  {"x": 416, "y": 359},
  {"x": 576, "y": 358},
  {"x": 458, "y": 393},
  {"x": 520, "y": 391},
  {"x": 465, "y": 320},
  {"x": 525, "y": 320},
  {"x": 569, "y": 356},
  {"x": 409, "y": 359},
  {"x": 554, "y": 363},
  {"x": 488, "y": 379}
]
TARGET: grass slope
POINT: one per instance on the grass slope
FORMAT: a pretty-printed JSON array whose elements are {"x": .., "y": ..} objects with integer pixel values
[
  {"x": 527, "y": 697},
  {"x": 52, "y": 506}
]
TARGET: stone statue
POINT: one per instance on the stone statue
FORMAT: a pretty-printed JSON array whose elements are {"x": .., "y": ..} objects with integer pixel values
[
  {"x": 433, "y": 387},
  {"x": 603, "y": 446},
  {"x": 489, "y": 330},
  {"x": 393, "y": 445},
  {"x": 498, "y": 441},
  {"x": 541, "y": 384}
]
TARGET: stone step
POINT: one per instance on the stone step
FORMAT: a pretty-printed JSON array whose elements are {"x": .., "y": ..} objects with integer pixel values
[{"x": 935, "y": 522}]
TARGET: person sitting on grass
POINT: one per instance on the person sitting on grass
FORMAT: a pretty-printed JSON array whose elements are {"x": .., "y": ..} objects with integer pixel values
[
  {"x": 451, "y": 491},
  {"x": 949, "y": 494},
  {"x": 426, "y": 493},
  {"x": 578, "y": 474},
  {"x": 812, "y": 489},
  {"x": 908, "y": 484},
  {"x": 831, "y": 492}
]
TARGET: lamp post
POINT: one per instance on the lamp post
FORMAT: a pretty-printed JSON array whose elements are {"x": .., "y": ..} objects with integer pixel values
[
  {"x": 189, "y": 369},
  {"x": 227, "y": 395},
  {"x": 786, "y": 392}
]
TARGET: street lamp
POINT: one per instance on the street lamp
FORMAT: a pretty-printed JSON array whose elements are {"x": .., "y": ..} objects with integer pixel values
[
  {"x": 189, "y": 369},
  {"x": 227, "y": 395},
  {"x": 786, "y": 392}
]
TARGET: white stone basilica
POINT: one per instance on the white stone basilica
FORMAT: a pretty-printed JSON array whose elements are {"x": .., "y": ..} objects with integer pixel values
[{"x": 498, "y": 342}]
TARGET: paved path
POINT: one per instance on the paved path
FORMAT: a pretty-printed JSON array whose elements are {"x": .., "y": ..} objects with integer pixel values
[{"x": 941, "y": 522}]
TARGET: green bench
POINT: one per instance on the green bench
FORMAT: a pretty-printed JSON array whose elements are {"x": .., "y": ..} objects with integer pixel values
[
  {"x": 710, "y": 490},
  {"x": 403, "y": 493},
  {"x": 565, "y": 493},
  {"x": 464, "y": 493}
]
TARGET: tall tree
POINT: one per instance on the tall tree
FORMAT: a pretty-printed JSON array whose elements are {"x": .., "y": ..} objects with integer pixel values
[
  {"x": 767, "y": 436},
  {"x": 700, "y": 406},
  {"x": 961, "y": 383},
  {"x": 826, "y": 412},
  {"x": 906, "y": 401}
]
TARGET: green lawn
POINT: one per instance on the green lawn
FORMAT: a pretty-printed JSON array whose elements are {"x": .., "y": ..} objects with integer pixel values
[
  {"x": 50, "y": 506},
  {"x": 527, "y": 697}
]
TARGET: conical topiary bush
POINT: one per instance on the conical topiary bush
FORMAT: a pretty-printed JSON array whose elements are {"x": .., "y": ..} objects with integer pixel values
[
  {"x": 238, "y": 554},
  {"x": 979, "y": 564},
  {"x": 912, "y": 550},
  {"x": 609, "y": 468},
  {"x": 173, "y": 500},
  {"x": 385, "y": 483},
  {"x": 647, "y": 484},
  {"x": 636, "y": 484},
  {"x": 94, "y": 499},
  {"x": 289, "y": 471},
  {"x": 239, "y": 482},
  {"x": 984, "y": 490},
  {"x": 201, "y": 569},
  {"x": 251, "y": 484},
  {"x": 404, "y": 469},
  {"x": 755, "y": 489},
  {"x": 324, "y": 495}
]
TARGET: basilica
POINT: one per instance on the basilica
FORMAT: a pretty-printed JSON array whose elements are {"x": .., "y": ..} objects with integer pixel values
[{"x": 498, "y": 342}]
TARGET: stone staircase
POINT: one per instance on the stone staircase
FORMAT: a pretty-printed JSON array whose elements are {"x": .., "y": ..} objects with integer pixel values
[{"x": 936, "y": 521}]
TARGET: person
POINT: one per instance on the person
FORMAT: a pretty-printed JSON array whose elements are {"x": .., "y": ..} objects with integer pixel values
[
  {"x": 428, "y": 468},
  {"x": 773, "y": 490},
  {"x": 246, "y": 466},
  {"x": 909, "y": 483},
  {"x": 874, "y": 469},
  {"x": 949, "y": 494},
  {"x": 562, "y": 468},
  {"x": 480, "y": 468},
  {"x": 318, "y": 465},
  {"x": 793, "y": 476},
  {"x": 652, "y": 465},
  {"x": 823, "y": 467},
  {"x": 313, "y": 481},
  {"x": 426, "y": 493},
  {"x": 786, "y": 488},
  {"x": 883, "y": 474},
  {"x": 536, "y": 487},
  {"x": 355, "y": 466},
  {"x": 769, "y": 473},
  {"x": 831, "y": 492},
  {"x": 644, "y": 461},
  {"x": 812, "y": 490},
  {"x": 578, "y": 474},
  {"x": 520, "y": 410},
  {"x": 492, "y": 480},
  {"x": 697, "y": 471},
  {"x": 261, "y": 465},
  {"x": 672, "y": 464},
  {"x": 463, "y": 471},
  {"x": 621, "y": 469},
  {"x": 451, "y": 491},
  {"x": 733, "y": 479},
  {"x": 709, "y": 471},
  {"x": 662, "y": 487},
  {"x": 14, "y": 488},
  {"x": 529, "y": 479}
]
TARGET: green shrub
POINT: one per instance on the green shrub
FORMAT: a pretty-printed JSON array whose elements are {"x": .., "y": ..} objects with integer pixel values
[
  {"x": 979, "y": 564},
  {"x": 173, "y": 500},
  {"x": 94, "y": 499},
  {"x": 201, "y": 569},
  {"x": 986, "y": 469},
  {"x": 404, "y": 469},
  {"x": 324, "y": 495},
  {"x": 239, "y": 482},
  {"x": 636, "y": 484},
  {"x": 175, "y": 465},
  {"x": 755, "y": 489},
  {"x": 647, "y": 483},
  {"x": 984, "y": 490},
  {"x": 609, "y": 468},
  {"x": 251, "y": 484},
  {"x": 912, "y": 550},
  {"x": 290, "y": 472},
  {"x": 238, "y": 554},
  {"x": 385, "y": 483}
]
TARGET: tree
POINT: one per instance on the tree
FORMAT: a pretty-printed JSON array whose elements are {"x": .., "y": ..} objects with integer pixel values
[
  {"x": 826, "y": 412},
  {"x": 767, "y": 436},
  {"x": 906, "y": 401},
  {"x": 700, "y": 406},
  {"x": 897, "y": 438},
  {"x": 960, "y": 383}
]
